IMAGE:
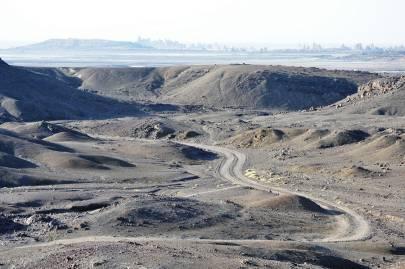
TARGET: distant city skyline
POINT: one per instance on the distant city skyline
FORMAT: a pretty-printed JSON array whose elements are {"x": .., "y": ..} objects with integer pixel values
[
  {"x": 267, "y": 23},
  {"x": 144, "y": 43}
]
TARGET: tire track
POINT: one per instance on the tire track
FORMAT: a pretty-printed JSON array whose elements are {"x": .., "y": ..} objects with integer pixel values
[{"x": 352, "y": 226}]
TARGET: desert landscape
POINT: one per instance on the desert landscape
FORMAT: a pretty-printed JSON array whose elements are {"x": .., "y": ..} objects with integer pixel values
[
  {"x": 179, "y": 134},
  {"x": 203, "y": 166}
]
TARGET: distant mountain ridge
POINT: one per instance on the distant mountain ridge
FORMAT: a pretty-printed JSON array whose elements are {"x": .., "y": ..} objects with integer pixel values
[{"x": 72, "y": 44}]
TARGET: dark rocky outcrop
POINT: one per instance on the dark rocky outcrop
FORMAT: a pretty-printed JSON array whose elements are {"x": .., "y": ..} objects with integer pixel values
[
  {"x": 29, "y": 95},
  {"x": 381, "y": 86}
]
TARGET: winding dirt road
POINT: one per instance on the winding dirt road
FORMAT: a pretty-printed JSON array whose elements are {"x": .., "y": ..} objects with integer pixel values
[{"x": 350, "y": 225}]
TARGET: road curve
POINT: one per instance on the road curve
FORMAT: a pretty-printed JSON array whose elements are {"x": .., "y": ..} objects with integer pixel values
[{"x": 351, "y": 225}]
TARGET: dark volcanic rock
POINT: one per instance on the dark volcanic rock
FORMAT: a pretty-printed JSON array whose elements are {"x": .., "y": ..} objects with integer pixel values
[{"x": 29, "y": 95}]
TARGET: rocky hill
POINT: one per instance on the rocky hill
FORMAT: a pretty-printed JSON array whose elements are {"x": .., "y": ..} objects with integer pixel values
[
  {"x": 383, "y": 96},
  {"x": 381, "y": 86},
  {"x": 70, "y": 93},
  {"x": 73, "y": 44},
  {"x": 27, "y": 94},
  {"x": 250, "y": 86}
]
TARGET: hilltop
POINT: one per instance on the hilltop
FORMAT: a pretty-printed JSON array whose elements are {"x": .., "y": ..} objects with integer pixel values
[
  {"x": 219, "y": 86},
  {"x": 72, "y": 44}
]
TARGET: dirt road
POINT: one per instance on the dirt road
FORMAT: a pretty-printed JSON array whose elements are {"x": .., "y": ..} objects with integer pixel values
[{"x": 350, "y": 225}]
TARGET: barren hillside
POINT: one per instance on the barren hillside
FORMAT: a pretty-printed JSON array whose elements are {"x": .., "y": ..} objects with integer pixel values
[
  {"x": 32, "y": 95},
  {"x": 273, "y": 87},
  {"x": 384, "y": 96}
]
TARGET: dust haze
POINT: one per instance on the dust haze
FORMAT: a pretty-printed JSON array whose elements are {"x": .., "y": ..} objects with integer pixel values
[{"x": 199, "y": 157}]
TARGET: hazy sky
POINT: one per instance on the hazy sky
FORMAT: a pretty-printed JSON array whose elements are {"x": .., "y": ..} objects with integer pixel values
[{"x": 221, "y": 21}]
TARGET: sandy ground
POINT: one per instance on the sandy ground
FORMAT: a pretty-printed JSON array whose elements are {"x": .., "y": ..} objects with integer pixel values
[{"x": 231, "y": 189}]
